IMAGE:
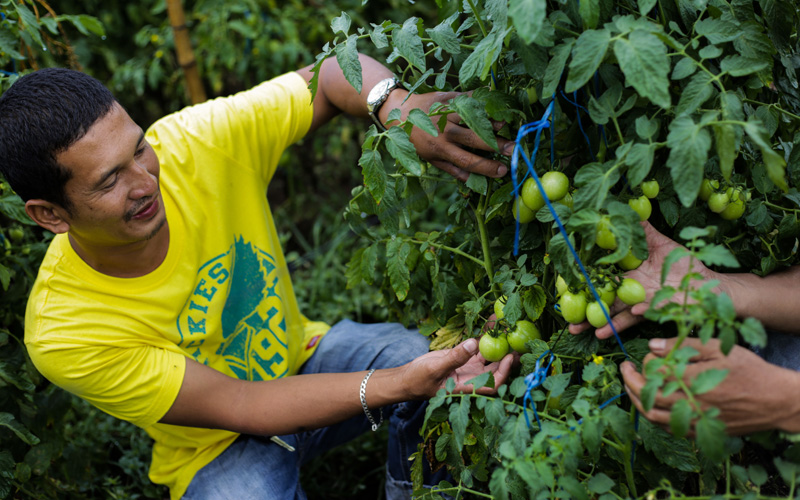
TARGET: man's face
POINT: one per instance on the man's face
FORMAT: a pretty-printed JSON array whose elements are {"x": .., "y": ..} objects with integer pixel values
[{"x": 114, "y": 188}]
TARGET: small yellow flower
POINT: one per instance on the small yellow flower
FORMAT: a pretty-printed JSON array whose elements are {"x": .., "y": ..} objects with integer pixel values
[
  {"x": 154, "y": 38},
  {"x": 159, "y": 54},
  {"x": 598, "y": 360}
]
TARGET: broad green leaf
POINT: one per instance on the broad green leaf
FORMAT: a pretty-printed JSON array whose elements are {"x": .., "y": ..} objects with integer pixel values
[
  {"x": 369, "y": 263},
  {"x": 719, "y": 30},
  {"x": 709, "y": 52},
  {"x": 341, "y": 24},
  {"x": 594, "y": 180},
  {"x": 600, "y": 483},
  {"x": 353, "y": 272},
  {"x": 374, "y": 175},
  {"x": 646, "y": 127},
  {"x": 497, "y": 11},
  {"x": 528, "y": 17},
  {"x": 28, "y": 20},
  {"x": 556, "y": 384},
  {"x": 725, "y": 139},
  {"x": 408, "y": 44},
  {"x": 479, "y": 63},
  {"x": 347, "y": 57},
  {"x": 589, "y": 11},
  {"x": 752, "y": 332},
  {"x": 397, "y": 266},
  {"x": 646, "y": 6},
  {"x": 533, "y": 57},
  {"x": 9, "y": 44},
  {"x": 736, "y": 65},
  {"x": 685, "y": 67},
  {"x": 9, "y": 421},
  {"x": 752, "y": 43},
  {"x": 643, "y": 59},
  {"x": 378, "y": 36},
  {"x": 717, "y": 255},
  {"x": 680, "y": 418},
  {"x": 401, "y": 149},
  {"x": 474, "y": 115},
  {"x": 780, "y": 15},
  {"x": 421, "y": 120},
  {"x": 695, "y": 93},
  {"x": 674, "y": 452},
  {"x": 555, "y": 68},
  {"x": 444, "y": 36},
  {"x": 689, "y": 144},
  {"x": 587, "y": 54},
  {"x": 477, "y": 183},
  {"x": 639, "y": 161},
  {"x": 708, "y": 380},
  {"x": 534, "y": 301},
  {"x": 776, "y": 165},
  {"x": 757, "y": 474},
  {"x": 459, "y": 419},
  {"x": 711, "y": 438}
]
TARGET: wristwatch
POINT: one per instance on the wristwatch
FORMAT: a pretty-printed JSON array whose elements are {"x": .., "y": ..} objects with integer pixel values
[{"x": 377, "y": 96}]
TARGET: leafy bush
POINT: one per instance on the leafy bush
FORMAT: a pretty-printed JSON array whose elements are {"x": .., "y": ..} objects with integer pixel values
[{"x": 612, "y": 93}]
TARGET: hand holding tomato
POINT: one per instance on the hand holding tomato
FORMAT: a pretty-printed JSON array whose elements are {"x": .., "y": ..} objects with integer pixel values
[
  {"x": 753, "y": 396},
  {"x": 424, "y": 376},
  {"x": 648, "y": 274}
]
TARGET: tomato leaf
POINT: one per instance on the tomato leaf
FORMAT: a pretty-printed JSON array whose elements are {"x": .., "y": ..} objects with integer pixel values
[
  {"x": 347, "y": 57},
  {"x": 555, "y": 68},
  {"x": 474, "y": 115},
  {"x": 689, "y": 144},
  {"x": 695, "y": 93},
  {"x": 587, "y": 54},
  {"x": 408, "y": 44},
  {"x": 639, "y": 160},
  {"x": 711, "y": 437},
  {"x": 444, "y": 36},
  {"x": 401, "y": 149},
  {"x": 600, "y": 483},
  {"x": 479, "y": 63},
  {"x": 528, "y": 17},
  {"x": 776, "y": 165},
  {"x": 643, "y": 58}
]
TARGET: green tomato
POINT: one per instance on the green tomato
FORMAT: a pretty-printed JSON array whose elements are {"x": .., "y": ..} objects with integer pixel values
[
  {"x": 595, "y": 314},
  {"x": 521, "y": 212},
  {"x": 650, "y": 189},
  {"x": 499, "y": 304},
  {"x": 556, "y": 187},
  {"x": 573, "y": 307},
  {"x": 605, "y": 238},
  {"x": 607, "y": 292},
  {"x": 717, "y": 202},
  {"x": 642, "y": 206},
  {"x": 631, "y": 292},
  {"x": 629, "y": 262},
  {"x": 734, "y": 210},
  {"x": 16, "y": 233},
  {"x": 493, "y": 348},
  {"x": 561, "y": 285},
  {"x": 567, "y": 201},
  {"x": 523, "y": 332},
  {"x": 707, "y": 188},
  {"x": 533, "y": 96}
]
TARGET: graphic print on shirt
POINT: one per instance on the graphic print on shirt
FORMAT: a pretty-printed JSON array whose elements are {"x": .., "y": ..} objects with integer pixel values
[{"x": 236, "y": 294}]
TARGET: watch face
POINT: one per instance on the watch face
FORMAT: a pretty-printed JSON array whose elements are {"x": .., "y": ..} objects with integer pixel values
[{"x": 379, "y": 91}]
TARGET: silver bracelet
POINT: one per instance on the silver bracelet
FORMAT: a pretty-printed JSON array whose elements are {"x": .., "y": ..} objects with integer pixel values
[{"x": 363, "y": 394}]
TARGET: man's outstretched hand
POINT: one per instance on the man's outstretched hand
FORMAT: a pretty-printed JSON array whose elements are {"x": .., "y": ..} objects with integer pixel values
[
  {"x": 754, "y": 396},
  {"x": 649, "y": 275}
]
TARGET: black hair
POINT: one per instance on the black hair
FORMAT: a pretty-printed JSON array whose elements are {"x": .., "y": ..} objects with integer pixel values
[{"x": 41, "y": 115}]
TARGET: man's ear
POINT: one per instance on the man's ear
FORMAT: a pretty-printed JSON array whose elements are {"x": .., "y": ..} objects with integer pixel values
[{"x": 48, "y": 215}]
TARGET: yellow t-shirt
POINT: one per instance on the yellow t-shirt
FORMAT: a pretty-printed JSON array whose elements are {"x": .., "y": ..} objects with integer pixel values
[{"x": 223, "y": 295}]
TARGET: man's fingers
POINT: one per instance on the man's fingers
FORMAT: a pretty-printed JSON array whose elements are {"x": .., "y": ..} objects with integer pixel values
[
  {"x": 621, "y": 321},
  {"x": 471, "y": 162}
]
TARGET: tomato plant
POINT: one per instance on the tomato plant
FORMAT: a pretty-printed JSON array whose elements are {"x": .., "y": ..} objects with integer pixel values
[
  {"x": 694, "y": 96},
  {"x": 493, "y": 348}
]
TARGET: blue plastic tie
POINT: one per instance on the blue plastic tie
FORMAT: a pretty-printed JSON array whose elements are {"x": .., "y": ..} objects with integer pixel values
[{"x": 532, "y": 381}]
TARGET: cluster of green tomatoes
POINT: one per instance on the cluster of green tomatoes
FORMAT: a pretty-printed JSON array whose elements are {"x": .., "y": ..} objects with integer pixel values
[
  {"x": 495, "y": 347},
  {"x": 727, "y": 201},
  {"x": 577, "y": 306}
]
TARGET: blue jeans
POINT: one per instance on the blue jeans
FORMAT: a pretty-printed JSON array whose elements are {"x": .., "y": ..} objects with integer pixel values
[
  {"x": 254, "y": 467},
  {"x": 783, "y": 349}
]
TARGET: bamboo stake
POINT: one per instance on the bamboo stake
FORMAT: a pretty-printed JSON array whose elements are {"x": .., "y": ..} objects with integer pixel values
[{"x": 183, "y": 47}]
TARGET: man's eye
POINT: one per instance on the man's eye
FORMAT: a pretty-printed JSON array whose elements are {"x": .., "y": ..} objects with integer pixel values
[
  {"x": 140, "y": 151},
  {"x": 111, "y": 184}
]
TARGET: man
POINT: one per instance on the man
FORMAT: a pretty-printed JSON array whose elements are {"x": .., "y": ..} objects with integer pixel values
[
  {"x": 165, "y": 300},
  {"x": 753, "y": 396}
]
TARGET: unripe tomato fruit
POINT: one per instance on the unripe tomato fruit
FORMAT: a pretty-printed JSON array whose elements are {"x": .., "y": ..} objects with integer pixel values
[
  {"x": 521, "y": 212},
  {"x": 734, "y": 210},
  {"x": 555, "y": 184},
  {"x": 605, "y": 238},
  {"x": 595, "y": 314},
  {"x": 493, "y": 348},
  {"x": 717, "y": 202},
  {"x": 631, "y": 292},
  {"x": 629, "y": 262},
  {"x": 650, "y": 189},
  {"x": 573, "y": 307},
  {"x": 642, "y": 206},
  {"x": 16, "y": 234},
  {"x": 522, "y": 333},
  {"x": 498, "y": 306},
  {"x": 707, "y": 188},
  {"x": 607, "y": 293}
]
